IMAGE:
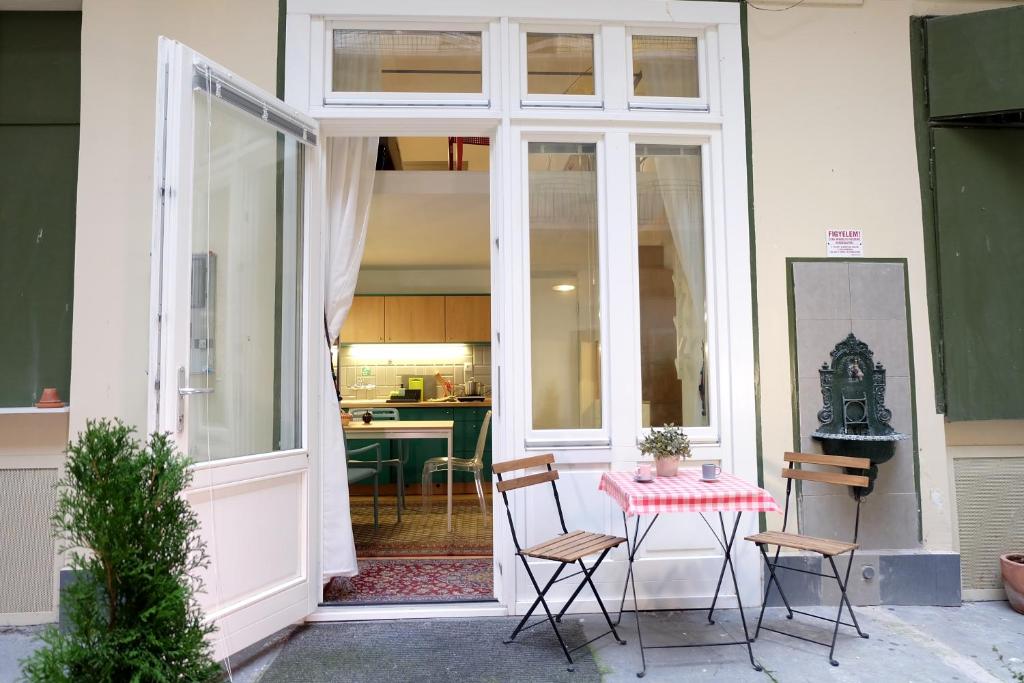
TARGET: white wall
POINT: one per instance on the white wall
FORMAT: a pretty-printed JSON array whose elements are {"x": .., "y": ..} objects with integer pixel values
[
  {"x": 833, "y": 146},
  {"x": 110, "y": 336}
]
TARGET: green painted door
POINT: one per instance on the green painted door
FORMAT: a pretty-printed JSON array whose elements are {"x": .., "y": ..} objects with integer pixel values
[{"x": 979, "y": 200}]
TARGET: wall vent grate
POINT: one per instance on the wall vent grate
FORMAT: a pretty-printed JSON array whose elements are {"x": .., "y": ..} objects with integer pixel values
[{"x": 990, "y": 506}]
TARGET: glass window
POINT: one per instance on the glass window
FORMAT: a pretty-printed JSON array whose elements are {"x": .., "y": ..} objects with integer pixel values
[
  {"x": 559, "y": 64},
  {"x": 665, "y": 66},
  {"x": 673, "y": 321},
  {"x": 246, "y": 286},
  {"x": 407, "y": 61},
  {"x": 564, "y": 286}
]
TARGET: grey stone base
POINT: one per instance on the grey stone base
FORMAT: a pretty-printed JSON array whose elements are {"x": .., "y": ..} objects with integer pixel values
[{"x": 878, "y": 577}]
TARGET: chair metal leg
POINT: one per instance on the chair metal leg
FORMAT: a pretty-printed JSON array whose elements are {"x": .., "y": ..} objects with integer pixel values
[
  {"x": 376, "y": 503},
  {"x": 544, "y": 604},
  {"x": 587, "y": 574},
  {"x": 400, "y": 493},
  {"x": 839, "y": 615},
  {"x": 771, "y": 578},
  {"x": 846, "y": 581},
  {"x": 735, "y": 584}
]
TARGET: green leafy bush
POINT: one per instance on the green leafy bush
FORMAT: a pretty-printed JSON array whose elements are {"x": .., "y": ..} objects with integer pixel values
[
  {"x": 668, "y": 441},
  {"x": 134, "y": 547}
]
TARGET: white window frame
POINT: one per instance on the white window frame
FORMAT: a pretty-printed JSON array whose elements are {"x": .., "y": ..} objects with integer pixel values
[
  {"x": 600, "y": 436},
  {"x": 699, "y": 103},
  {"x": 482, "y": 99},
  {"x": 528, "y": 99},
  {"x": 713, "y": 234}
]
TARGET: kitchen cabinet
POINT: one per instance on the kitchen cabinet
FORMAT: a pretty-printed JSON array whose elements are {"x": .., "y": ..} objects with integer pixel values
[
  {"x": 414, "y": 318},
  {"x": 365, "y": 321},
  {"x": 467, "y": 318}
]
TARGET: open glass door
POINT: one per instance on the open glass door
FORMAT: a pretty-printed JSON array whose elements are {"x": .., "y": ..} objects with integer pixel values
[{"x": 230, "y": 342}]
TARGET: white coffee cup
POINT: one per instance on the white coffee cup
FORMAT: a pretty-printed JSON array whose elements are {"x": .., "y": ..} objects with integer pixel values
[
  {"x": 710, "y": 471},
  {"x": 643, "y": 471}
]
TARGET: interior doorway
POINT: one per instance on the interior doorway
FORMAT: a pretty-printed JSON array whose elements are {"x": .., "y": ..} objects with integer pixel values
[{"x": 416, "y": 349}]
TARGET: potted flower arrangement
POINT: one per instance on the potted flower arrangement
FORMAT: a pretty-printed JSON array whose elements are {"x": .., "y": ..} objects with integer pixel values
[
  {"x": 1012, "y": 566},
  {"x": 667, "y": 445}
]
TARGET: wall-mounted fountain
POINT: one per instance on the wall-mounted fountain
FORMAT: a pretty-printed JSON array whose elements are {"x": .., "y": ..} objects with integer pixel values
[{"x": 854, "y": 419}]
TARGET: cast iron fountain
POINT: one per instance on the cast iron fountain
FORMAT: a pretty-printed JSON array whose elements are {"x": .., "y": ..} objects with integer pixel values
[{"x": 854, "y": 419}]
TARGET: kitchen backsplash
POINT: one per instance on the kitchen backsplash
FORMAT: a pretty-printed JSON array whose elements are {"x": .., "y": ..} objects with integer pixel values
[{"x": 370, "y": 372}]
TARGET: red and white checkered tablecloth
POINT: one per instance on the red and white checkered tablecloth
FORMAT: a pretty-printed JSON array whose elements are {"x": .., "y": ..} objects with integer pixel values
[{"x": 685, "y": 492}]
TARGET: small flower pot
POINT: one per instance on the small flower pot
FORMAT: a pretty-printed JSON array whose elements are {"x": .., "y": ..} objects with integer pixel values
[
  {"x": 667, "y": 467},
  {"x": 50, "y": 399},
  {"x": 1012, "y": 566}
]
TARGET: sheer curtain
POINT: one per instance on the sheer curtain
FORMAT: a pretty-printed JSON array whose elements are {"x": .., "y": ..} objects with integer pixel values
[
  {"x": 350, "y": 171},
  {"x": 679, "y": 177}
]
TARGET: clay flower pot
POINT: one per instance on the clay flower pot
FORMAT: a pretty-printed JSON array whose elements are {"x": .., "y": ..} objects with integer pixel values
[
  {"x": 667, "y": 466},
  {"x": 50, "y": 399},
  {"x": 345, "y": 419},
  {"x": 1013, "y": 579}
]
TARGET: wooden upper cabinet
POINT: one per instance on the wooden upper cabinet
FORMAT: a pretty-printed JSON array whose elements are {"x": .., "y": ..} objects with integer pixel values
[
  {"x": 414, "y": 318},
  {"x": 365, "y": 321},
  {"x": 467, "y": 318}
]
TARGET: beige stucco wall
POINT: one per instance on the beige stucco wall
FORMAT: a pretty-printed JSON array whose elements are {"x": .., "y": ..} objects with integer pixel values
[
  {"x": 110, "y": 337},
  {"x": 833, "y": 146}
]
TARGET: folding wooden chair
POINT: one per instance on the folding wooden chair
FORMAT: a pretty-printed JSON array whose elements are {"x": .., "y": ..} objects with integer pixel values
[
  {"x": 568, "y": 548},
  {"x": 827, "y": 548}
]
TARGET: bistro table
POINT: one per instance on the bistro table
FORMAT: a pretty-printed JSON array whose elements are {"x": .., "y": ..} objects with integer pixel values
[
  {"x": 686, "y": 492},
  {"x": 408, "y": 429}
]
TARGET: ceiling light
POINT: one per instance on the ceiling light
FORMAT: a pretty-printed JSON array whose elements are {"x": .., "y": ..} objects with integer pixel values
[{"x": 564, "y": 288}]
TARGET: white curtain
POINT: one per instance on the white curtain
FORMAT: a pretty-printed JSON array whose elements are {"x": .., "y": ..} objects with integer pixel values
[
  {"x": 679, "y": 177},
  {"x": 350, "y": 172}
]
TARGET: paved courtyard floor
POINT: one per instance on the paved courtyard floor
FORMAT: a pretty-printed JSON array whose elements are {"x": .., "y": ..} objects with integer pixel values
[{"x": 976, "y": 642}]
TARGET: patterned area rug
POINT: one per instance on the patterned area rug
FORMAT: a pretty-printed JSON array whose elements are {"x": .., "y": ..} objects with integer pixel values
[
  {"x": 421, "y": 533},
  {"x": 388, "y": 581}
]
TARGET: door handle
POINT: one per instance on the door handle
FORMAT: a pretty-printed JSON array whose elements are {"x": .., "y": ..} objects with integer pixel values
[
  {"x": 192, "y": 391},
  {"x": 184, "y": 391}
]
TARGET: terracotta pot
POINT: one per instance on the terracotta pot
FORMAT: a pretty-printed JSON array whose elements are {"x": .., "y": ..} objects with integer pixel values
[
  {"x": 345, "y": 419},
  {"x": 667, "y": 467},
  {"x": 1013, "y": 579},
  {"x": 50, "y": 399}
]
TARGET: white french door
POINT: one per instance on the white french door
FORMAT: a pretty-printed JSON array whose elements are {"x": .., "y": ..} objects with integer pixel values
[{"x": 231, "y": 339}]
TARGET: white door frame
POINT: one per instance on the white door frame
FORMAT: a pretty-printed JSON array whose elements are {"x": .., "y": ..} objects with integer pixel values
[{"x": 716, "y": 122}]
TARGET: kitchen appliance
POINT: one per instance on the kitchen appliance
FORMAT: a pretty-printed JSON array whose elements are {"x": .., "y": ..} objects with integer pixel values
[
  {"x": 405, "y": 396},
  {"x": 473, "y": 387}
]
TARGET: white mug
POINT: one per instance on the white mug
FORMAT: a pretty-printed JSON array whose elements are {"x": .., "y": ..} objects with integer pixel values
[
  {"x": 710, "y": 471},
  {"x": 643, "y": 471}
]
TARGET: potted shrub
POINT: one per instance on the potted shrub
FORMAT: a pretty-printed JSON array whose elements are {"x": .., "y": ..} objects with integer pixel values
[
  {"x": 135, "y": 550},
  {"x": 1012, "y": 566},
  {"x": 667, "y": 445}
]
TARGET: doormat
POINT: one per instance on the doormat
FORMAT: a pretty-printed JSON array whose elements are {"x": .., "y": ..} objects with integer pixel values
[
  {"x": 435, "y": 650},
  {"x": 405, "y": 581},
  {"x": 421, "y": 533}
]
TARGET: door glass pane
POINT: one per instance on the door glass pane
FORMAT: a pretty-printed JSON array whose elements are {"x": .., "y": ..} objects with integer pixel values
[
  {"x": 564, "y": 286},
  {"x": 246, "y": 286},
  {"x": 673, "y": 320},
  {"x": 559, "y": 63},
  {"x": 407, "y": 61},
  {"x": 665, "y": 66}
]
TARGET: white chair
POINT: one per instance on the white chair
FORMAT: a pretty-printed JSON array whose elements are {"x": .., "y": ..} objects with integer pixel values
[{"x": 474, "y": 465}]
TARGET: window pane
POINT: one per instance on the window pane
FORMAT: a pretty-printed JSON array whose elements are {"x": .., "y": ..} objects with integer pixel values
[
  {"x": 560, "y": 63},
  {"x": 564, "y": 286},
  {"x": 673, "y": 325},
  {"x": 246, "y": 286},
  {"x": 665, "y": 66},
  {"x": 407, "y": 61}
]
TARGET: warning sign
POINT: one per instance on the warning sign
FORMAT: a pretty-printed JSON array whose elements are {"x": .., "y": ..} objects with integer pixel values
[{"x": 844, "y": 243}]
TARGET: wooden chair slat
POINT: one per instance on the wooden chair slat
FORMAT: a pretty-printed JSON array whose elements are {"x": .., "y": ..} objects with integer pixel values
[
  {"x": 573, "y": 546},
  {"x": 523, "y": 463},
  {"x": 822, "y": 546},
  {"x": 834, "y": 460},
  {"x": 528, "y": 480},
  {"x": 554, "y": 542},
  {"x": 826, "y": 477}
]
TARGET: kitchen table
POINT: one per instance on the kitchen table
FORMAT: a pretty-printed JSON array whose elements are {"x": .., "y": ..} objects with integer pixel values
[
  {"x": 686, "y": 492},
  {"x": 408, "y": 429}
]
